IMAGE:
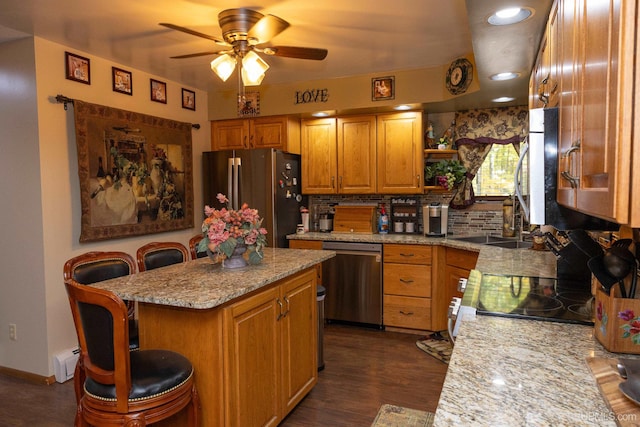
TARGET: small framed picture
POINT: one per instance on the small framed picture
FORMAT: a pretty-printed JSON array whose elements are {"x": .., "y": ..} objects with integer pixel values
[
  {"x": 249, "y": 104},
  {"x": 383, "y": 88},
  {"x": 122, "y": 81},
  {"x": 158, "y": 91},
  {"x": 77, "y": 68},
  {"x": 188, "y": 99}
]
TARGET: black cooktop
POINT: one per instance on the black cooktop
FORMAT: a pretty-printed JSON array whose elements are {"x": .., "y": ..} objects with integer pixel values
[{"x": 539, "y": 298}]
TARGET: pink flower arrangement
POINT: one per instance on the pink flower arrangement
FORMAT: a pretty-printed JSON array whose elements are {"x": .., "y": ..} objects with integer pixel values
[{"x": 224, "y": 229}]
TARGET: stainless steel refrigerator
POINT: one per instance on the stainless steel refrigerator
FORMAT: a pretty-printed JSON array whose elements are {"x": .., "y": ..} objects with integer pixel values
[{"x": 265, "y": 179}]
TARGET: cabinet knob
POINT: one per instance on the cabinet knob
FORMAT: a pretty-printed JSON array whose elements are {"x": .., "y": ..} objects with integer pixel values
[
  {"x": 406, "y": 313},
  {"x": 406, "y": 281}
]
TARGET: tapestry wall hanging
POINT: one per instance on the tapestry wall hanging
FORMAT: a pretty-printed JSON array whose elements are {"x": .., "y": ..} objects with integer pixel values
[{"x": 135, "y": 173}]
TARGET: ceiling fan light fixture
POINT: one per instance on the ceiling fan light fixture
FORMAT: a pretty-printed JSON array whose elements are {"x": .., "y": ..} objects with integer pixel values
[
  {"x": 223, "y": 66},
  {"x": 253, "y": 69}
]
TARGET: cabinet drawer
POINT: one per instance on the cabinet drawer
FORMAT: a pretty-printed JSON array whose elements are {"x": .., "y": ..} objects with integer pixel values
[
  {"x": 461, "y": 258},
  {"x": 407, "y": 312},
  {"x": 305, "y": 244},
  {"x": 407, "y": 254},
  {"x": 407, "y": 280}
]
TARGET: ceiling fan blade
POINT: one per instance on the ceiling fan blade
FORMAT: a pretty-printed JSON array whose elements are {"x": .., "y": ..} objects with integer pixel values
[
  {"x": 193, "y": 55},
  {"x": 297, "y": 52},
  {"x": 194, "y": 33},
  {"x": 267, "y": 28}
]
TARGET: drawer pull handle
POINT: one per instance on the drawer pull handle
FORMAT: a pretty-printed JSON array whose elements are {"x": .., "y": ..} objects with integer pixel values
[
  {"x": 406, "y": 281},
  {"x": 402, "y": 254},
  {"x": 406, "y": 313}
]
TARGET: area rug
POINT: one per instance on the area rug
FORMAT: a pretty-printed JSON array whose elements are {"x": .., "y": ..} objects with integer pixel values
[
  {"x": 397, "y": 416},
  {"x": 437, "y": 345}
]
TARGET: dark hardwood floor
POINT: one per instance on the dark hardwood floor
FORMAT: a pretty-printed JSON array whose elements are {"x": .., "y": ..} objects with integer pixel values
[{"x": 364, "y": 369}]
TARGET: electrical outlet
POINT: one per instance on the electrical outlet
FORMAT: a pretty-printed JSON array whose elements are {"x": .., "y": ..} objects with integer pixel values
[{"x": 13, "y": 333}]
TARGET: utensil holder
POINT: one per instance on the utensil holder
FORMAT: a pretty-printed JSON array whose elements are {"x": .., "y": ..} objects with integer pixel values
[{"x": 615, "y": 322}]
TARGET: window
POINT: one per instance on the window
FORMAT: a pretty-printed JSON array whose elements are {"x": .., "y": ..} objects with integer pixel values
[{"x": 495, "y": 176}]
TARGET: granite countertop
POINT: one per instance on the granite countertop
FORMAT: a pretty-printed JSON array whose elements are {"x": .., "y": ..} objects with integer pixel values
[
  {"x": 507, "y": 372},
  {"x": 512, "y": 372},
  {"x": 201, "y": 284}
]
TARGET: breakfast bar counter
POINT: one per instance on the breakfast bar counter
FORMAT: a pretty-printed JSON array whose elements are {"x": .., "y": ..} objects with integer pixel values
[
  {"x": 202, "y": 284},
  {"x": 250, "y": 333}
]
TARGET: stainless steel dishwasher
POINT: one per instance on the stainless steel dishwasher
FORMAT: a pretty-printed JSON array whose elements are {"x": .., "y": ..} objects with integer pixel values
[{"x": 353, "y": 282}]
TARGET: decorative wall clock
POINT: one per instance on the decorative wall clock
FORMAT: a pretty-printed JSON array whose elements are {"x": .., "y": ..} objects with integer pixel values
[{"x": 459, "y": 76}]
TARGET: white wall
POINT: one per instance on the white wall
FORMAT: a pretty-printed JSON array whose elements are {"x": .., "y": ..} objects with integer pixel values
[
  {"x": 45, "y": 228},
  {"x": 22, "y": 288}
]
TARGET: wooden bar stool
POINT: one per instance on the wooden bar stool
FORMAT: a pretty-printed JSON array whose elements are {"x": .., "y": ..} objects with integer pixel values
[{"x": 125, "y": 387}]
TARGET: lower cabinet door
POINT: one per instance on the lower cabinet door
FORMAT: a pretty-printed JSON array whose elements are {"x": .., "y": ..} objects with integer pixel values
[
  {"x": 407, "y": 312},
  {"x": 299, "y": 339},
  {"x": 253, "y": 363}
]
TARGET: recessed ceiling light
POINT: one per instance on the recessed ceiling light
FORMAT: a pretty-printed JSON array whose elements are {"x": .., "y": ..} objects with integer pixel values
[
  {"x": 504, "y": 76},
  {"x": 503, "y": 99},
  {"x": 321, "y": 114},
  {"x": 510, "y": 15},
  {"x": 402, "y": 107}
]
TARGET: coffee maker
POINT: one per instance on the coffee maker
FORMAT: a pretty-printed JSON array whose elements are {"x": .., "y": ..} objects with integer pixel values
[{"x": 435, "y": 218}]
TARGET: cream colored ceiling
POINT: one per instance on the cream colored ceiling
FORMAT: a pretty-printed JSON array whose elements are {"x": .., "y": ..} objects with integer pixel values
[{"x": 362, "y": 37}]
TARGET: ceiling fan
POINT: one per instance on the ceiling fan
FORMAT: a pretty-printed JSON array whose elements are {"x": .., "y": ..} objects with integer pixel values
[{"x": 245, "y": 32}]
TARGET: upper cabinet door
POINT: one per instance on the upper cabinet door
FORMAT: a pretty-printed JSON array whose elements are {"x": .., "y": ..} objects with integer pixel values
[
  {"x": 229, "y": 135},
  {"x": 319, "y": 168},
  {"x": 357, "y": 155},
  {"x": 400, "y": 153}
]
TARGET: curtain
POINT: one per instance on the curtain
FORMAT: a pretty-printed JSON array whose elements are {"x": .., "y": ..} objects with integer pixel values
[{"x": 476, "y": 132}]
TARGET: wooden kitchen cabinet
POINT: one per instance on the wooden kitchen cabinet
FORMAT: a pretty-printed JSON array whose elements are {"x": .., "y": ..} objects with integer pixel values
[
  {"x": 319, "y": 156},
  {"x": 543, "y": 85},
  {"x": 459, "y": 264},
  {"x": 270, "y": 346},
  {"x": 407, "y": 275},
  {"x": 278, "y": 132},
  {"x": 339, "y": 155},
  {"x": 400, "y": 153},
  {"x": 596, "y": 107}
]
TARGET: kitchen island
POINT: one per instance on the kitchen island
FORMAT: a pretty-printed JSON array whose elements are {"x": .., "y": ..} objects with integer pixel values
[{"x": 251, "y": 333}]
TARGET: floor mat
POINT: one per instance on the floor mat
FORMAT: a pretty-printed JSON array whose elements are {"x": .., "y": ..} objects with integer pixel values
[
  {"x": 437, "y": 345},
  {"x": 397, "y": 416}
]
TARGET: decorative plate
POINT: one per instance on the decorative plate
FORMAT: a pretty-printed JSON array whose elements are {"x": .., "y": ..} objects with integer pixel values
[{"x": 459, "y": 76}]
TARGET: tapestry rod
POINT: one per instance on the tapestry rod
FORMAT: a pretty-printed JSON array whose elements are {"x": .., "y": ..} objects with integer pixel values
[{"x": 61, "y": 99}]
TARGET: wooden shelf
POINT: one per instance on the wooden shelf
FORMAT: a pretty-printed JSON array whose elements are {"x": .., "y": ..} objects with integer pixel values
[
  {"x": 439, "y": 154},
  {"x": 435, "y": 188}
]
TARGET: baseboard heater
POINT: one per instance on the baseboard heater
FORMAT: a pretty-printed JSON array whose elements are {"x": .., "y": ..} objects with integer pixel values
[{"x": 64, "y": 364}]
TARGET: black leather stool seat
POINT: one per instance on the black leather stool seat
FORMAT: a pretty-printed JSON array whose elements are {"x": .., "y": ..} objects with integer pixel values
[
  {"x": 163, "y": 258},
  {"x": 153, "y": 372},
  {"x": 101, "y": 270}
]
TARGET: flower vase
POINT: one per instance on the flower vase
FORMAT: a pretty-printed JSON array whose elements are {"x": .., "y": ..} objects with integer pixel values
[{"x": 236, "y": 260}]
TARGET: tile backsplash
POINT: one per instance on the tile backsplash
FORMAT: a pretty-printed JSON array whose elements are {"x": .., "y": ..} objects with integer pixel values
[{"x": 460, "y": 221}]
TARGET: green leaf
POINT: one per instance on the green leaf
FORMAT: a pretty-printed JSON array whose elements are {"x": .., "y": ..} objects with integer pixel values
[
  {"x": 203, "y": 245},
  {"x": 228, "y": 246}
]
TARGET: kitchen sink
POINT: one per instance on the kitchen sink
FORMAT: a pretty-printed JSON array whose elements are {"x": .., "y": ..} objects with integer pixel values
[
  {"x": 481, "y": 239},
  {"x": 512, "y": 244},
  {"x": 495, "y": 241}
]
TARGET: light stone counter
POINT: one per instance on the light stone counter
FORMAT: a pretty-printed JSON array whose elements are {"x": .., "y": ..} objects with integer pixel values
[
  {"x": 508, "y": 372},
  {"x": 512, "y": 372},
  {"x": 201, "y": 284},
  {"x": 516, "y": 372}
]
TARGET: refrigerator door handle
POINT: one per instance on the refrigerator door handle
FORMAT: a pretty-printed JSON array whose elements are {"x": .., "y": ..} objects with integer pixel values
[
  {"x": 236, "y": 183},
  {"x": 230, "y": 181}
]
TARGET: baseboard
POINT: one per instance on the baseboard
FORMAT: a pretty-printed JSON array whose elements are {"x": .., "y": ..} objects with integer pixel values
[{"x": 28, "y": 376}]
